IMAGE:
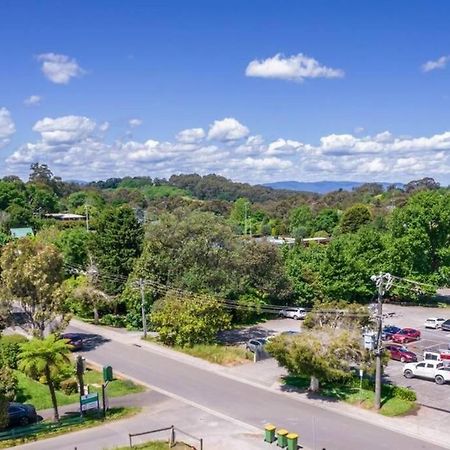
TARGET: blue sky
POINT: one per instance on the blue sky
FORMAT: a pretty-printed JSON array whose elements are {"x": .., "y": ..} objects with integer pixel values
[{"x": 349, "y": 95}]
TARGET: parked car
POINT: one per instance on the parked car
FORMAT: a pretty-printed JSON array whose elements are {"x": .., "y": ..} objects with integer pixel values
[
  {"x": 400, "y": 353},
  {"x": 20, "y": 414},
  {"x": 441, "y": 355},
  {"x": 434, "y": 322},
  {"x": 431, "y": 370},
  {"x": 254, "y": 345},
  {"x": 389, "y": 331},
  {"x": 74, "y": 339},
  {"x": 293, "y": 313},
  {"x": 406, "y": 335},
  {"x": 446, "y": 325}
]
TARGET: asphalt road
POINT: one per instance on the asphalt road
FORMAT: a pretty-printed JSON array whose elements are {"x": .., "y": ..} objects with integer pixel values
[{"x": 318, "y": 428}]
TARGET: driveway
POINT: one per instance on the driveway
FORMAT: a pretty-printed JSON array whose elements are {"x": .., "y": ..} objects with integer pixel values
[{"x": 239, "y": 336}]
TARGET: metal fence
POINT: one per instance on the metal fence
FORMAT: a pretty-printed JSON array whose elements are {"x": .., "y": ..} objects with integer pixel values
[
  {"x": 172, "y": 440},
  {"x": 43, "y": 427}
]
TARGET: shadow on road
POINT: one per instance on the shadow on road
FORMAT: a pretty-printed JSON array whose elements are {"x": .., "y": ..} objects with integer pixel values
[{"x": 92, "y": 341}]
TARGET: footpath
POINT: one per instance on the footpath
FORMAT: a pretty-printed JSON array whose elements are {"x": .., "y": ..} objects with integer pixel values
[{"x": 160, "y": 412}]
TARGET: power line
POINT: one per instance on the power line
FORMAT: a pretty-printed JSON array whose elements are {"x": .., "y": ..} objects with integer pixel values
[{"x": 228, "y": 303}]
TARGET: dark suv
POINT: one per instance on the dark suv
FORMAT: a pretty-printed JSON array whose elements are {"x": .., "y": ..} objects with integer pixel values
[
  {"x": 20, "y": 414},
  {"x": 446, "y": 325}
]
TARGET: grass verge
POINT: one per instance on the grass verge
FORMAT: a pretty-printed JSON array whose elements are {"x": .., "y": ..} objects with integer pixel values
[
  {"x": 391, "y": 406},
  {"x": 31, "y": 391},
  {"x": 67, "y": 426},
  {"x": 225, "y": 355}
]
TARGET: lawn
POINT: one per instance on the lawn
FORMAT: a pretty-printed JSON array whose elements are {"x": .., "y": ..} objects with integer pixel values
[
  {"x": 156, "y": 445},
  {"x": 31, "y": 391},
  {"x": 390, "y": 406},
  {"x": 42, "y": 430}
]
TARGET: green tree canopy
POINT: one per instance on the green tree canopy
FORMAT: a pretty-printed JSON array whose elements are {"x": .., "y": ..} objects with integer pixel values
[
  {"x": 45, "y": 357},
  {"x": 31, "y": 274},
  {"x": 320, "y": 355},
  {"x": 186, "y": 321},
  {"x": 354, "y": 218},
  {"x": 115, "y": 245}
]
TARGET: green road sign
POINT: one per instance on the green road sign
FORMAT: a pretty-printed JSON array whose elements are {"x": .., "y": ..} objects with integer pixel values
[{"x": 89, "y": 401}]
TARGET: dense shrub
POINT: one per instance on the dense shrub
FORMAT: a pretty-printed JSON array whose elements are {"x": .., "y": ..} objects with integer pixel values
[
  {"x": 8, "y": 383},
  {"x": 9, "y": 350},
  {"x": 113, "y": 320},
  {"x": 69, "y": 386},
  {"x": 404, "y": 393},
  {"x": 3, "y": 412},
  {"x": 189, "y": 321},
  {"x": 388, "y": 390}
]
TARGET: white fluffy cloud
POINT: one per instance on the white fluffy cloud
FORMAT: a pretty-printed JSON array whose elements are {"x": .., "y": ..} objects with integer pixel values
[
  {"x": 294, "y": 68},
  {"x": 7, "y": 127},
  {"x": 135, "y": 123},
  {"x": 228, "y": 129},
  {"x": 439, "y": 63},
  {"x": 32, "y": 100},
  {"x": 191, "y": 135},
  {"x": 76, "y": 147},
  {"x": 64, "y": 130},
  {"x": 59, "y": 69}
]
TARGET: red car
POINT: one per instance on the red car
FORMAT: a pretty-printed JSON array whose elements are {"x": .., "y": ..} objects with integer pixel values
[
  {"x": 406, "y": 335},
  {"x": 400, "y": 353}
]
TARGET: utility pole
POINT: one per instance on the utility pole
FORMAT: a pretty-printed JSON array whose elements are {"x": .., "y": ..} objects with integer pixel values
[
  {"x": 245, "y": 219},
  {"x": 87, "y": 216},
  {"x": 383, "y": 282},
  {"x": 144, "y": 318}
]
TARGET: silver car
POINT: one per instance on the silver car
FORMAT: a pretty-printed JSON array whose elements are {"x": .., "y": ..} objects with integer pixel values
[{"x": 293, "y": 313}]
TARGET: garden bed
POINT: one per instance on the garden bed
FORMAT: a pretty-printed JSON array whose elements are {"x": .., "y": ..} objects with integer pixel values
[{"x": 394, "y": 400}]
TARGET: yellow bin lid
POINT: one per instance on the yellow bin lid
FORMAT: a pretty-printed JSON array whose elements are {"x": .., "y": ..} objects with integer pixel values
[
  {"x": 282, "y": 432},
  {"x": 292, "y": 436},
  {"x": 269, "y": 427}
]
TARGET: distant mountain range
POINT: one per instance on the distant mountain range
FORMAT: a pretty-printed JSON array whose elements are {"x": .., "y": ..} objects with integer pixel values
[{"x": 320, "y": 187}]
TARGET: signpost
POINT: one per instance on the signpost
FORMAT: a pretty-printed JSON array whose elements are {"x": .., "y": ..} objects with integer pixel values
[{"x": 361, "y": 375}]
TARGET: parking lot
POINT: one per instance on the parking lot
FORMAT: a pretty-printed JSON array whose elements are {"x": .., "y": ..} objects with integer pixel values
[{"x": 429, "y": 394}]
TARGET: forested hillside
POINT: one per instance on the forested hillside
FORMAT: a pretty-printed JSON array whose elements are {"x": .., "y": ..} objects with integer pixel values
[{"x": 206, "y": 235}]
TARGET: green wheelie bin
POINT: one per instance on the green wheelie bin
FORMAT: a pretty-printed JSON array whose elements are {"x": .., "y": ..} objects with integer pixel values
[
  {"x": 282, "y": 440},
  {"x": 269, "y": 433},
  {"x": 292, "y": 441}
]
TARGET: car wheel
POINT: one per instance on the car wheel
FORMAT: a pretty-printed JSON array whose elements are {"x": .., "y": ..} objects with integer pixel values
[
  {"x": 402, "y": 359},
  {"x": 439, "y": 379},
  {"x": 295, "y": 317},
  {"x": 24, "y": 421},
  {"x": 408, "y": 373}
]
